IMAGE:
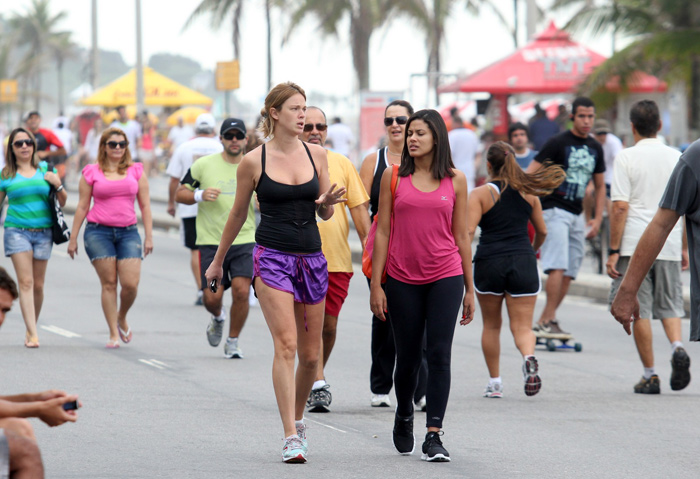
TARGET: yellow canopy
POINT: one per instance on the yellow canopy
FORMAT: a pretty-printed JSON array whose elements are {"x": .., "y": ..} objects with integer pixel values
[
  {"x": 189, "y": 115},
  {"x": 158, "y": 90}
]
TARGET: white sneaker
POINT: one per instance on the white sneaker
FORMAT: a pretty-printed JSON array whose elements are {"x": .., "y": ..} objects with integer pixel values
[
  {"x": 380, "y": 400},
  {"x": 494, "y": 390},
  {"x": 232, "y": 350},
  {"x": 421, "y": 404}
]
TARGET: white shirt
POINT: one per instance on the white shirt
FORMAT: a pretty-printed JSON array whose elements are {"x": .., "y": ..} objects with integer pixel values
[
  {"x": 180, "y": 134},
  {"x": 342, "y": 138},
  {"x": 464, "y": 145},
  {"x": 611, "y": 148},
  {"x": 66, "y": 137},
  {"x": 182, "y": 160},
  {"x": 639, "y": 178},
  {"x": 133, "y": 133}
]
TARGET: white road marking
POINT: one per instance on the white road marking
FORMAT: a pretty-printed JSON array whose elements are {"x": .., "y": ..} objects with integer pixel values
[
  {"x": 153, "y": 363},
  {"x": 60, "y": 331},
  {"x": 159, "y": 362},
  {"x": 326, "y": 425}
]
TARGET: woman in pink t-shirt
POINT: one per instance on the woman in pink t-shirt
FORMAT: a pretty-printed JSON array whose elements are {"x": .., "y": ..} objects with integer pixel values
[
  {"x": 112, "y": 240},
  {"x": 422, "y": 240}
]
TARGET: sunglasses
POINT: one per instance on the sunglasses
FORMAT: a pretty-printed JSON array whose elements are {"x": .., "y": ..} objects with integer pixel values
[
  {"x": 400, "y": 120},
  {"x": 238, "y": 135},
  {"x": 21, "y": 143},
  {"x": 319, "y": 126},
  {"x": 114, "y": 144}
]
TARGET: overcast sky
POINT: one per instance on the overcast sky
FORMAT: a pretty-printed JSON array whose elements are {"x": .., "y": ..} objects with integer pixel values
[{"x": 316, "y": 63}]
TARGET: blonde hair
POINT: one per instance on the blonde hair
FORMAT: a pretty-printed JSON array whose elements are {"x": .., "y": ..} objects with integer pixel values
[
  {"x": 10, "y": 169},
  {"x": 102, "y": 160},
  {"x": 275, "y": 99},
  {"x": 501, "y": 157}
]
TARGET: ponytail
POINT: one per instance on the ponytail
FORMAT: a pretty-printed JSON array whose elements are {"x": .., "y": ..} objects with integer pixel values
[{"x": 501, "y": 157}]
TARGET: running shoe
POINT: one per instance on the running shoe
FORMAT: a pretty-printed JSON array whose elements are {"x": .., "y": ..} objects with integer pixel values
[
  {"x": 680, "y": 365},
  {"x": 301, "y": 432},
  {"x": 433, "y": 450},
  {"x": 421, "y": 404},
  {"x": 215, "y": 331},
  {"x": 320, "y": 399},
  {"x": 232, "y": 350},
  {"x": 540, "y": 328},
  {"x": 494, "y": 390},
  {"x": 533, "y": 383},
  {"x": 199, "y": 300},
  {"x": 648, "y": 386},
  {"x": 403, "y": 438},
  {"x": 293, "y": 450},
  {"x": 380, "y": 400}
]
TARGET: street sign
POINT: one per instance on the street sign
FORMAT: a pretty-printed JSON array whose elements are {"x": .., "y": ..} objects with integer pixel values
[
  {"x": 8, "y": 91},
  {"x": 227, "y": 75}
]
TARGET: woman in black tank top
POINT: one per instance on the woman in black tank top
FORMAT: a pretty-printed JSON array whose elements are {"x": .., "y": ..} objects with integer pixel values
[
  {"x": 291, "y": 278},
  {"x": 505, "y": 266}
]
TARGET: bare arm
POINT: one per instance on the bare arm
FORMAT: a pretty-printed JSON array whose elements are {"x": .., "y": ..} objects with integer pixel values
[
  {"x": 84, "y": 198},
  {"x": 462, "y": 237},
  {"x": 144, "y": 199},
  {"x": 172, "y": 188},
  {"x": 367, "y": 172},
  {"x": 625, "y": 307},
  {"x": 377, "y": 298},
  {"x": 474, "y": 211},
  {"x": 599, "y": 182},
  {"x": 618, "y": 218},
  {"x": 537, "y": 220},
  {"x": 360, "y": 216},
  {"x": 326, "y": 201}
]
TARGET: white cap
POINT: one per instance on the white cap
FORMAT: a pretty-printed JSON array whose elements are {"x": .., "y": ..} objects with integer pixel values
[{"x": 205, "y": 121}]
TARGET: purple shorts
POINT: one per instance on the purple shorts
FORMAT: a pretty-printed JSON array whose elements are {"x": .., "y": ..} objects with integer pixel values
[{"x": 303, "y": 275}]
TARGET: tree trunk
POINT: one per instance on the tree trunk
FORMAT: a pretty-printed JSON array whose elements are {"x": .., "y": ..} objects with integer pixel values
[
  {"x": 360, "y": 32},
  {"x": 269, "y": 45},
  {"x": 59, "y": 67},
  {"x": 695, "y": 97}
]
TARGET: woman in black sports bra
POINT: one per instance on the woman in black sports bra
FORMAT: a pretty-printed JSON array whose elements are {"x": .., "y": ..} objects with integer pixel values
[{"x": 290, "y": 273}]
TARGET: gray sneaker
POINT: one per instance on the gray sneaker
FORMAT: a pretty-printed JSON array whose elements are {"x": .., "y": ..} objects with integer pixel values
[
  {"x": 301, "y": 432},
  {"x": 320, "y": 399},
  {"x": 494, "y": 390},
  {"x": 231, "y": 349},
  {"x": 215, "y": 331}
]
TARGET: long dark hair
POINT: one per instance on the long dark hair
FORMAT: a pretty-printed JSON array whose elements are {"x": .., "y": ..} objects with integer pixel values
[
  {"x": 442, "y": 157},
  {"x": 10, "y": 169},
  {"x": 501, "y": 157}
]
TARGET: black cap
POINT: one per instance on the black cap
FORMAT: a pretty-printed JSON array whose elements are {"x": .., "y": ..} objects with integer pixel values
[
  {"x": 232, "y": 124},
  {"x": 31, "y": 114}
]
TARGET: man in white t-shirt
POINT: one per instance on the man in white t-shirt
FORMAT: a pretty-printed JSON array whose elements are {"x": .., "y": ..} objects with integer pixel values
[
  {"x": 341, "y": 137},
  {"x": 203, "y": 144},
  {"x": 179, "y": 134},
  {"x": 638, "y": 183},
  {"x": 131, "y": 128},
  {"x": 464, "y": 145}
]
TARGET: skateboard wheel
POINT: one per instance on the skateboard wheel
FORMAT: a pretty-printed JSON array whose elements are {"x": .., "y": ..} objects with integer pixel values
[
  {"x": 578, "y": 347},
  {"x": 551, "y": 346}
]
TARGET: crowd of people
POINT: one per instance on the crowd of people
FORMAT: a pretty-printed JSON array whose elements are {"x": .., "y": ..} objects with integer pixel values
[{"x": 417, "y": 202}]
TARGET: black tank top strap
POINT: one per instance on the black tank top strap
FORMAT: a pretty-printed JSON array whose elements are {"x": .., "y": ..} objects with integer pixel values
[
  {"x": 262, "y": 157},
  {"x": 308, "y": 152}
]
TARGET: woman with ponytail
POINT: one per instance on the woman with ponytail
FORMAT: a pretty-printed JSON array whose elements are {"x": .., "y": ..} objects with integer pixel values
[{"x": 505, "y": 266}]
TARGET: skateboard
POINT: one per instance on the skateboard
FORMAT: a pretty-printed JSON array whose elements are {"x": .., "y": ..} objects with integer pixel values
[{"x": 554, "y": 342}]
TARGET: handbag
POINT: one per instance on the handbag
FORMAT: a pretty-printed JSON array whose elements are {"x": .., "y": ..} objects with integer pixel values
[
  {"x": 369, "y": 245},
  {"x": 60, "y": 233}
]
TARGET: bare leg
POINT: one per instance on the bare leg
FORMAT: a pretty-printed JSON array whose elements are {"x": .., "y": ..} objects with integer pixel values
[
  {"x": 308, "y": 350},
  {"x": 23, "y": 264},
  {"x": 557, "y": 286},
  {"x": 520, "y": 311},
  {"x": 19, "y": 426},
  {"x": 129, "y": 272},
  {"x": 643, "y": 340},
  {"x": 194, "y": 264},
  {"x": 491, "y": 336},
  {"x": 25, "y": 457},
  {"x": 213, "y": 301},
  {"x": 107, "y": 272},
  {"x": 240, "y": 290},
  {"x": 39, "y": 273},
  {"x": 672, "y": 327},
  {"x": 330, "y": 325}
]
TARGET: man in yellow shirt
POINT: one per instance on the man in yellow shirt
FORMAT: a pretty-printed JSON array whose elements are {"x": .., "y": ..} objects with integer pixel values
[{"x": 334, "y": 238}]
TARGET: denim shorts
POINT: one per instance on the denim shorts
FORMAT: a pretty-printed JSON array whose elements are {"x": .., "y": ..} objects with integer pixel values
[
  {"x": 563, "y": 247},
  {"x": 121, "y": 242},
  {"x": 19, "y": 240}
]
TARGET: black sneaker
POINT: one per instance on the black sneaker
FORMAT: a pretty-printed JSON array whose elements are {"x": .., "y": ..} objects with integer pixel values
[
  {"x": 433, "y": 451},
  {"x": 648, "y": 386},
  {"x": 404, "y": 440},
  {"x": 680, "y": 374},
  {"x": 320, "y": 399}
]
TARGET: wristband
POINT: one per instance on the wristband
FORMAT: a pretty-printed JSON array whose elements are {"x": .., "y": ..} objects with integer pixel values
[
  {"x": 59, "y": 188},
  {"x": 613, "y": 251},
  {"x": 198, "y": 195}
]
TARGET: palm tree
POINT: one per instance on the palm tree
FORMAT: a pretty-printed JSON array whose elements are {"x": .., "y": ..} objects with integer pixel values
[
  {"x": 365, "y": 16},
  {"x": 665, "y": 38},
  {"x": 62, "y": 48},
  {"x": 36, "y": 30},
  {"x": 219, "y": 10}
]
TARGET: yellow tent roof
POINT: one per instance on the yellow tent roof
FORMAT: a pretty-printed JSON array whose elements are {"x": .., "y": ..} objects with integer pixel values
[{"x": 158, "y": 90}]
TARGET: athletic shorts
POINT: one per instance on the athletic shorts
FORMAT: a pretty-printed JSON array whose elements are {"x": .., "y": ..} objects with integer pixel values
[
  {"x": 238, "y": 262},
  {"x": 516, "y": 275},
  {"x": 188, "y": 232},
  {"x": 38, "y": 241},
  {"x": 120, "y": 242},
  {"x": 563, "y": 247},
  {"x": 338, "y": 284},
  {"x": 303, "y": 275},
  {"x": 4, "y": 456},
  {"x": 661, "y": 294}
]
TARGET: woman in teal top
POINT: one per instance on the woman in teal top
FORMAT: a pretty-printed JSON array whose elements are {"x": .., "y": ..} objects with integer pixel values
[{"x": 27, "y": 238}]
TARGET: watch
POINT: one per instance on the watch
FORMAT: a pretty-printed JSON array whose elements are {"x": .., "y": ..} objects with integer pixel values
[{"x": 613, "y": 251}]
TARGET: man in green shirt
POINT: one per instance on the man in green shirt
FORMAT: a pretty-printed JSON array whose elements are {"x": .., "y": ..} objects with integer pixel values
[{"x": 211, "y": 183}]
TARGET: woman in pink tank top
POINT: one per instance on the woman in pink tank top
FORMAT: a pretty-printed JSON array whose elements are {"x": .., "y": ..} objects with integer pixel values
[
  {"x": 111, "y": 239},
  {"x": 423, "y": 242}
]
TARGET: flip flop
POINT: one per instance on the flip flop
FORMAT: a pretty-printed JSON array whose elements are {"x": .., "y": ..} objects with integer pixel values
[
  {"x": 31, "y": 342},
  {"x": 112, "y": 344},
  {"x": 125, "y": 335}
]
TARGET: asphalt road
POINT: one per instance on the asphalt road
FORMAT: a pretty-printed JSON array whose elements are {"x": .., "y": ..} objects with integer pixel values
[{"x": 169, "y": 405}]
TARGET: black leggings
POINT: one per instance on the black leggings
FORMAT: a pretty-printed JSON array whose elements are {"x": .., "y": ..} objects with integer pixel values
[{"x": 429, "y": 309}]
